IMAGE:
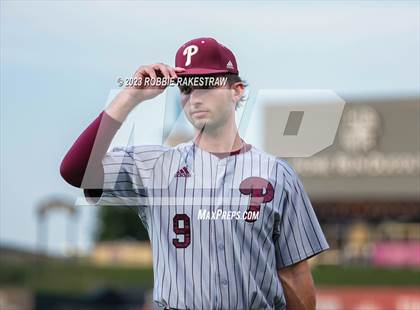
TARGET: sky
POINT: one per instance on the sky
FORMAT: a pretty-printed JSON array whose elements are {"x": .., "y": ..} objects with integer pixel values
[{"x": 60, "y": 62}]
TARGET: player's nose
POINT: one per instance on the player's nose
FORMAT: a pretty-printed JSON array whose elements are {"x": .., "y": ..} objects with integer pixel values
[{"x": 195, "y": 98}]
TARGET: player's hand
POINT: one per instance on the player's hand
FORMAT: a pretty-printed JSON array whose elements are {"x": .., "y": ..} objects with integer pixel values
[{"x": 142, "y": 92}]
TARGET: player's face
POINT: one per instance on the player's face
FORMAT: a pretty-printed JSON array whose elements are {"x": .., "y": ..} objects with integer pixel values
[{"x": 211, "y": 108}]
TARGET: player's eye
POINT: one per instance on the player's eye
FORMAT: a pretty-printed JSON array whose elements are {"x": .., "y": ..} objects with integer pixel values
[{"x": 186, "y": 90}]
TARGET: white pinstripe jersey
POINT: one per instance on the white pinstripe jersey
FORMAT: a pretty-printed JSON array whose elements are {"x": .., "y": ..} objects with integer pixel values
[{"x": 205, "y": 261}]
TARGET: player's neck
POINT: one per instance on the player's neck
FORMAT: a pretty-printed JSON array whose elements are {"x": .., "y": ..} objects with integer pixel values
[{"x": 219, "y": 140}]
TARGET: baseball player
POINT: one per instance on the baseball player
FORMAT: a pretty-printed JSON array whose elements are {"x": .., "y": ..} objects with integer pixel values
[{"x": 230, "y": 226}]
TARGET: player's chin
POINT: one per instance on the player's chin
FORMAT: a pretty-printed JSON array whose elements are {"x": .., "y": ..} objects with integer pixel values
[
  {"x": 198, "y": 124},
  {"x": 199, "y": 120}
]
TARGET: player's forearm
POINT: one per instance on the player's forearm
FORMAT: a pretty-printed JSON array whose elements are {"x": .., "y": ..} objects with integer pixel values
[
  {"x": 298, "y": 287},
  {"x": 299, "y": 299},
  {"x": 122, "y": 105}
]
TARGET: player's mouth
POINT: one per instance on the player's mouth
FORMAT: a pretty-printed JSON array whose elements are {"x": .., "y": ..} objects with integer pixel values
[{"x": 200, "y": 113}]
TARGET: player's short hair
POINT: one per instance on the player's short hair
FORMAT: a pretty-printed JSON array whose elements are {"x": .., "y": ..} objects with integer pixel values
[{"x": 235, "y": 78}]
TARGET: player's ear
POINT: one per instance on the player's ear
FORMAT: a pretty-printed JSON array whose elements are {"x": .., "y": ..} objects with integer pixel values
[{"x": 238, "y": 89}]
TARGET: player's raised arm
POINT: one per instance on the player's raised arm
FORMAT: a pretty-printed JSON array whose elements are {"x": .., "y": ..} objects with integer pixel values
[
  {"x": 82, "y": 165},
  {"x": 131, "y": 96}
]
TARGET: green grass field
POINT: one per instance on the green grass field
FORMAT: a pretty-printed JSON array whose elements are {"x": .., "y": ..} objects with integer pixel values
[{"x": 76, "y": 278}]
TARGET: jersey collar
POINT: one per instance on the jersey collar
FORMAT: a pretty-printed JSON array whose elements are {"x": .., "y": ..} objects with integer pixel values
[{"x": 193, "y": 150}]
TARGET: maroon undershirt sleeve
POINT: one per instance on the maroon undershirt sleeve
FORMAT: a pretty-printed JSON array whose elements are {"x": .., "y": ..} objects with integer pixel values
[{"x": 82, "y": 165}]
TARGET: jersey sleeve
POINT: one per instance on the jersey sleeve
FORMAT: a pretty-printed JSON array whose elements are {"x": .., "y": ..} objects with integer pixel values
[
  {"x": 297, "y": 234},
  {"x": 128, "y": 172}
]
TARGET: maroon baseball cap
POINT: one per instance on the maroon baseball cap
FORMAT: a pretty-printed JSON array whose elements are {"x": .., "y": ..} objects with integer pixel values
[{"x": 205, "y": 56}]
